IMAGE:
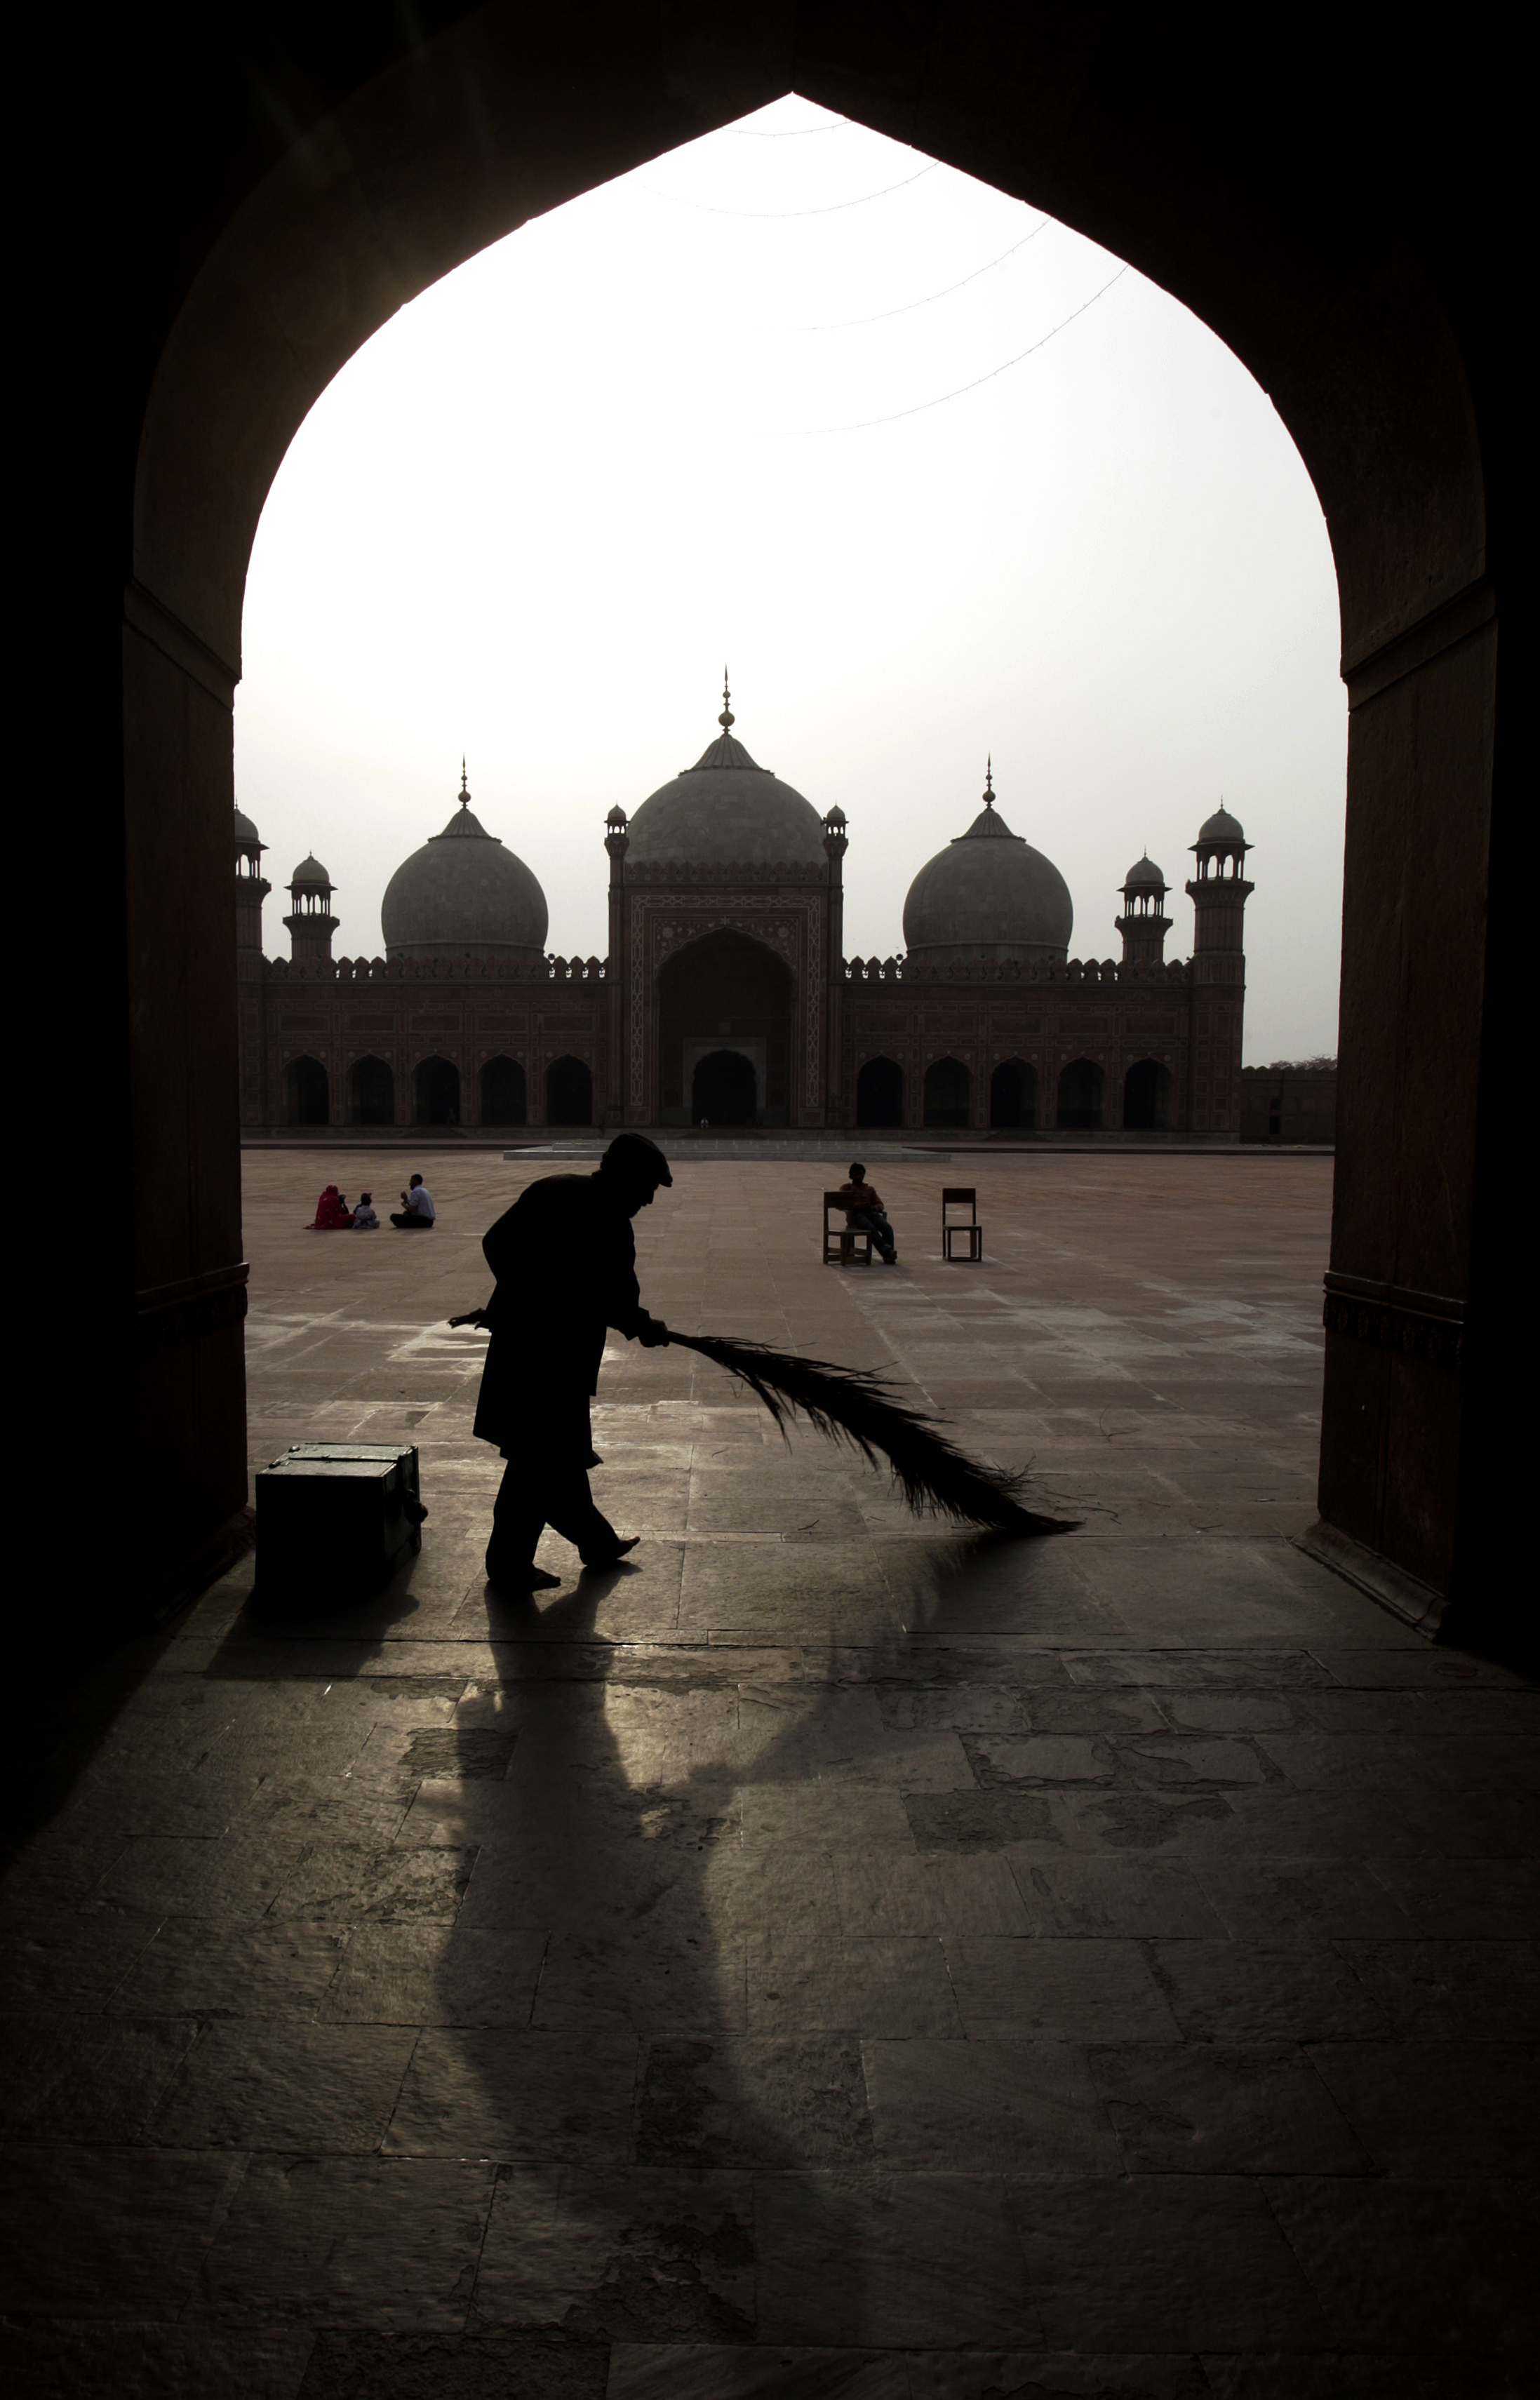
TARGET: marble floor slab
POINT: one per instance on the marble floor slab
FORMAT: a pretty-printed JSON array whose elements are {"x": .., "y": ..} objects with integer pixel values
[{"x": 833, "y": 1954}]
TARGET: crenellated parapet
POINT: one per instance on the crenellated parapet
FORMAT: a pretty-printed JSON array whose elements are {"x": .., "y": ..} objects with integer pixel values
[
  {"x": 418, "y": 971},
  {"x": 1016, "y": 971}
]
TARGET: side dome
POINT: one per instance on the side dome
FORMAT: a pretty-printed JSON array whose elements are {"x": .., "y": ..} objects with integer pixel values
[
  {"x": 310, "y": 876},
  {"x": 463, "y": 895},
  {"x": 988, "y": 895},
  {"x": 726, "y": 811},
  {"x": 245, "y": 829},
  {"x": 1222, "y": 826},
  {"x": 1145, "y": 875}
]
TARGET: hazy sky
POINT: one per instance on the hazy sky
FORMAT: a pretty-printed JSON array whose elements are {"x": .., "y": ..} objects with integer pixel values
[{"x": 719, "y": 411}]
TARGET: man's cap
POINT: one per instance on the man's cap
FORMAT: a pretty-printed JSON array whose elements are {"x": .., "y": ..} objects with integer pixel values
[{"x": 633, "y": 1154}]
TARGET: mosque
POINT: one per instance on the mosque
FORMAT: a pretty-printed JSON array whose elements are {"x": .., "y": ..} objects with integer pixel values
[{"x": 725, "y": 996}]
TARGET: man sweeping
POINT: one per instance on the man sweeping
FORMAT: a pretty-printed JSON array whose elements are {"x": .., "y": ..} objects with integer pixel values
[{"x": 564, "y": 1259}]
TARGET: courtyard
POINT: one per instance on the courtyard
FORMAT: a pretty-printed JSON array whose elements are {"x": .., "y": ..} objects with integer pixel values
[{"x": 830, "y": 1954}]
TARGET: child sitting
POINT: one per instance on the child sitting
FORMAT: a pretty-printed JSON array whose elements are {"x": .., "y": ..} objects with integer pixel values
[{"x": 364, "y": 1219}]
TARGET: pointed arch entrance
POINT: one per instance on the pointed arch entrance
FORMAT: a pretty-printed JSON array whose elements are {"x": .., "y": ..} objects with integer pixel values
[
  {"x": 295, "y": 232},
  {"x": 724, "y": 1033}
]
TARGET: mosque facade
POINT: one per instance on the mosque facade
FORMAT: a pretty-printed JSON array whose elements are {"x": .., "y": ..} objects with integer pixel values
[{"x": 725, "y": 996}]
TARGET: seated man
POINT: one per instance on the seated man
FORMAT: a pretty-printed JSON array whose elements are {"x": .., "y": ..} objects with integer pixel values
[
  {"x": 865, "y": 1214},
  {"x": 417, "y": 1211},
  {"x": 365, "y": 1218}
]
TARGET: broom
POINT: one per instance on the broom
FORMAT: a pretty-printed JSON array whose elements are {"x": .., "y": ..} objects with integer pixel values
[{"x": 855, "y": 1405}]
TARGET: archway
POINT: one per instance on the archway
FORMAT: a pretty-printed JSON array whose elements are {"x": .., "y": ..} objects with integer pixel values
[
  {"x": 307, "y": 1093},
  {"x": 568, "y": 1092},
  {"x": 1013, "y": 1095},
  {"x": 947, "y": 1086},
  {"x": 371, "y": 1093},
  {"x": 502, "y": 1093},
  {"x": 725, "y": 991},
  {"x": 724, "y": 1089},
  {"x": 1080, "y": 1088},
  {"x": 879, "y": 1093},
  {"x": 436, "y": 1093},
  {"x": 1147, "y": 1096},
  {"x": 248, "y": 281}
]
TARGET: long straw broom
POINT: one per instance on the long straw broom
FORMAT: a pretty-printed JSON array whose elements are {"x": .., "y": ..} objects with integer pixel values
[{"x": 855, "y": 1405}]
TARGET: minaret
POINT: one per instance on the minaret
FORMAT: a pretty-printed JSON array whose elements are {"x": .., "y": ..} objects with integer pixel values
[
  {"x": 311, "y": 925},
  {"x": 1144, "y": 923},
  {"x": 1219, "y": 892},
  {"x": 251, "y": 890}
]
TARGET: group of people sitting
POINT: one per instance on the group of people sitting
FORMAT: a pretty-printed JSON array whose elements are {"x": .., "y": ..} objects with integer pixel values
[{"x": 334, "y": 1216}]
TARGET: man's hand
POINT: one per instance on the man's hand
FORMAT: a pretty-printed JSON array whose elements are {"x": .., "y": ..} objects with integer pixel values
[{"x": 652, "y": 1333}]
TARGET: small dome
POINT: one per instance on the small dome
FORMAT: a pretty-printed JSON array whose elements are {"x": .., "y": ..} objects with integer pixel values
[
  {"x": 1222, "y": 826},
  {"x": 310, "y": 876},
  {"x": 245, "y": 830},
  {"x": 988, "y": 895},
  {"x": 462, "y": 895},
  {"x": 1143, "y": 873},
  {"x": 726, "y": 811}
]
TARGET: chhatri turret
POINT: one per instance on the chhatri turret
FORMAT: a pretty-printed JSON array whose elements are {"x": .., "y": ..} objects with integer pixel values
[
  {"x": 1144, "y": 923},
  {"x": 1219, "y": 892},
  {"x": 251, "y": 890},
  {"x": 310, "y": 921}
]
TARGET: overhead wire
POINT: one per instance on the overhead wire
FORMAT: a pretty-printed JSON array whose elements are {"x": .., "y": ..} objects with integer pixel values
[
  {"x": 848, "y": 324},
  {"x": 866, "y": 423},
  {"x": 783, "y": 216}
]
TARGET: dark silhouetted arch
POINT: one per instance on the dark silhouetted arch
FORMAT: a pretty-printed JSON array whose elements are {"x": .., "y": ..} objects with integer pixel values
[
  {"x": 1013, "y": 1095},
  {"x": 947, "y": 1084},
  {"x": 436, "y": 1093},
  {"x": 879, "y": 1093},
  {"x": 724, "y": 1089},
  {"x": 371, "y": 1093},
  {"x": 1081, "y": 1088},
  {"x": 307, "y": 1093},
  {"x": 727, "y": 986},
  {"x": 568, "y": 1092},
  {"x": 1147, "y": 1096},
  {"x": 503, "y": 1093}
]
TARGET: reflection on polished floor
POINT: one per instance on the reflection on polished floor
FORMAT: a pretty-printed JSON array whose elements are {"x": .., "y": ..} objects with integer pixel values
[{"x": 830, "y": 1956}]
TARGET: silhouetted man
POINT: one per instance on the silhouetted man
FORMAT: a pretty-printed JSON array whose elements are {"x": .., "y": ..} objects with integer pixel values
[{"x": 564, "y": 1257}]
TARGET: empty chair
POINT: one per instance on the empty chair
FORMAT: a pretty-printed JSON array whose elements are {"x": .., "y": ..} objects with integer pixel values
[
  {"x": 839, "y": 1244},
  {"x": 955, "y": 1229}
]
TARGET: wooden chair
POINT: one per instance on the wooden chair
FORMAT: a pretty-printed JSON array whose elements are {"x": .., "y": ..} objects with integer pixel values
[
  {"x": 840, "y": 1244},
  {"x": 961, "y": 1195}
]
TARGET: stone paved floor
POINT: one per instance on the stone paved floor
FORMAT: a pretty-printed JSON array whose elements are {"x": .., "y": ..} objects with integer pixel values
[{"x": 829, "y": 1956}]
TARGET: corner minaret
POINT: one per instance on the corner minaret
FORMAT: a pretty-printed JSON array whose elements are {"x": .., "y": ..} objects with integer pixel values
[
  {"x": 251, "y": 890},
  {"x": 1219, "y": 892},
  {"x": 312, "y": 923},
  {"x": 1144, "y": 923}
]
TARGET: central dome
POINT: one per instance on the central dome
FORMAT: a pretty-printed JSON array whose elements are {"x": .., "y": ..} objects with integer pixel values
[
  {"x": 988, "y": 895},
  {"x": 462, "y": 895},
  {"x": 727, "y": 811}
]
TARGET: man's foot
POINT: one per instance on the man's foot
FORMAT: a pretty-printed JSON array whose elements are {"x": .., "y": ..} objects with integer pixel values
[
  {"x": 610, "y": 1558},
  {"x": 890, "y": 1258},
  {"x": 523, "y": 1577}
]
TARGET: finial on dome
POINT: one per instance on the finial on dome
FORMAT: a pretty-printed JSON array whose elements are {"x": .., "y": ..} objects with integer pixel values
[
  {"x": 465, "y": 795},
  {"x": 727, "y": 716},
  {"x": 990, "y": 780}
]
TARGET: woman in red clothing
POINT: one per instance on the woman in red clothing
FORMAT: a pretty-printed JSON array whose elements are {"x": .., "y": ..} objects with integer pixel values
[{"x": 331, "y": 1215}]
